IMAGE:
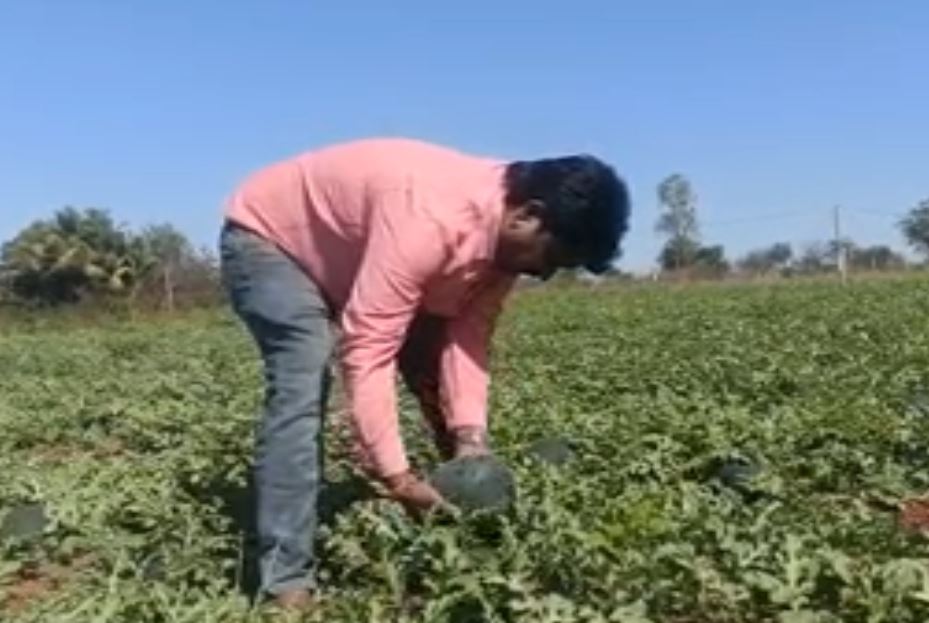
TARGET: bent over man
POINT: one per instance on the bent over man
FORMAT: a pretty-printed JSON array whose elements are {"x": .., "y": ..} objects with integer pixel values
[{"x": 405, "y": 250}]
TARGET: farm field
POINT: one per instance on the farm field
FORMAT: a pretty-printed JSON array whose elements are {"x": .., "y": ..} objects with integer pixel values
[{"x": 742, "y": 454}]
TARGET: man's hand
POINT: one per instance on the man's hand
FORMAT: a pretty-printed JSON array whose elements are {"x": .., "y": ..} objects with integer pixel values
[
  {"x": 417, "y": 496},
  {"x": 469, "y": 441}
]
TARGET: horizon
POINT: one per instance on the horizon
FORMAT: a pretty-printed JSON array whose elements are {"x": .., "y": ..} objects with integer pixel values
[{"x": 775, "y": 114}]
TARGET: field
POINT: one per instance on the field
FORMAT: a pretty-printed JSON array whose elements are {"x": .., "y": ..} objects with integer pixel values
[{"x": 742, "y": 455}]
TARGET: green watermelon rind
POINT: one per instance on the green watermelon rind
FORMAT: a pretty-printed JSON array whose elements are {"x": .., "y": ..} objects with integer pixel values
[
  {"x": 24, "y": 522},
  {"x": 492, "y": 485},
  {"x": 552, "y": 450}
]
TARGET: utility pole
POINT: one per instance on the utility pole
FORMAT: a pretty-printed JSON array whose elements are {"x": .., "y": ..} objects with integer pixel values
[
  {"x": 168, "y": 278},
  {"x": 840, "y": 259}
]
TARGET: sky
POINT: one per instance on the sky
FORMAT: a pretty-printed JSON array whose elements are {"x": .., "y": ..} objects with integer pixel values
[{"x": 775, "y": 111}]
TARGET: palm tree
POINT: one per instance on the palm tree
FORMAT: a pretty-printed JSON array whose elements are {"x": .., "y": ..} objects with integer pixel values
[{"x": 73, "y": 254}]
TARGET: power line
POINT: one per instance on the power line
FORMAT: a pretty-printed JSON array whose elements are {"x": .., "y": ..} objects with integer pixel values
[
  {"x": 868, "y": 212},
  {"x": 761, "y": 217},
  {"x": 795, "y": 215}
]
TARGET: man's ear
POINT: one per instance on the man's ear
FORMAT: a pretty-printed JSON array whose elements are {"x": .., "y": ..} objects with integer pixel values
[
  {"x": 535, "y": 207},
  {"x": 530, "y": 213}
]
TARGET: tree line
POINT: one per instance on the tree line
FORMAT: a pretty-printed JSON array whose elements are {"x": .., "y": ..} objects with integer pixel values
[
  {"x": 684, "y": 253},
  {"x": 81, "y": 255},
  {"x": 84, "y": 255}
]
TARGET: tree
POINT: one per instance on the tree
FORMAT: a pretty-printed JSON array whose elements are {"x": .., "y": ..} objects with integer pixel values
[
  {"x": 40, "y": 264},
  {"x": 877, "y": 257},
  {"x": 678, "y": 221},
  {"x": 704, "y": 261},
  {"x": 678, "y": 253},
  {"x": 915, "y": 227},
  {"x": 81, "y": 254},
  {"x": 615, "y": 273},
  {"x": 71, "y": 255},
  {"x": 171, "y": 252},
  {"x": 780, "y": 253},
  {"x": 775, "y": 257},
  {"x": 816, "y": 257},
  {"x": 711, "y": 261}
]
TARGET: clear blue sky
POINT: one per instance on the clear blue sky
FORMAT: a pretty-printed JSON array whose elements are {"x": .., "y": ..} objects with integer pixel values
[{"x": 775, "y": 110}]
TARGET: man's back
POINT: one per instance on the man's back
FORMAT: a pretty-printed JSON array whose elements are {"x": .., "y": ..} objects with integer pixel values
[{"x": 321, "y": 206}]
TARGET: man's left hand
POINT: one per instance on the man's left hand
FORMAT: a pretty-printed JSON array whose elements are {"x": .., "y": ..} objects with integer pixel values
[{"x": 470, "y": 441}]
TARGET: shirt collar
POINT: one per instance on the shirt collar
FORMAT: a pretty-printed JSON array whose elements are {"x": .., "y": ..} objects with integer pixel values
[{"x": 490, "y": 197}]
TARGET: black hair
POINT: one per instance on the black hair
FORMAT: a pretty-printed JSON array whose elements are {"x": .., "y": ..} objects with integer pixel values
[{"x": 586, "y": 204}]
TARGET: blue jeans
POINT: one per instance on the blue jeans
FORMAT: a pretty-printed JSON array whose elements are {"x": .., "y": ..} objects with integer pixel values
[{"x": 289, "y": 321}]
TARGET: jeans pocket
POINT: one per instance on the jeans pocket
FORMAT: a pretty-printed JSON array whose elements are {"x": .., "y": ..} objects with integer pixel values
[
  {"x": 254, "y": 269},
  {"x": 237, "y": 241},
  {"x": 233, "y": 257}
]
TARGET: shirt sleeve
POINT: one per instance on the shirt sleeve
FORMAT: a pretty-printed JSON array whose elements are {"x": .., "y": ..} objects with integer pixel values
[
  {"x": 405, "y": 248},
  {"x": 464, "y": 364}
]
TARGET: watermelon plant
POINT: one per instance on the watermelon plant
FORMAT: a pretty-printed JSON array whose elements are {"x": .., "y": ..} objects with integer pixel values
[{"x": 709, "y": 454}]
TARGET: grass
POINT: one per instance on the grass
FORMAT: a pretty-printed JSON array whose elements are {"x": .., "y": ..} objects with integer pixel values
[{"x": 133, "y": 437}]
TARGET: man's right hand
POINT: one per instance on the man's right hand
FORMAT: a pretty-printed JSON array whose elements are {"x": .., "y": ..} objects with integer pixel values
[{"x": 417, "y": 496}]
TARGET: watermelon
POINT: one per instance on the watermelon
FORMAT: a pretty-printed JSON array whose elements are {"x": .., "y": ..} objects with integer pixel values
[
  {"x": 737, "y": 474},
  {"x": 153, "y": 568},
  {"x": 552, "y": 450},
  {"x": 476, "y": 483},
  {"x": 26, "y": 521},
  {"x": 918, "y": 403}
]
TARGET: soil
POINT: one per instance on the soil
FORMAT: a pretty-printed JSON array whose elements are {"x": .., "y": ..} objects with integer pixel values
[
  {"x": 63, "y": 453},
  {"x": 914, "y": 515},
  {"x": 37, "y": 582}
]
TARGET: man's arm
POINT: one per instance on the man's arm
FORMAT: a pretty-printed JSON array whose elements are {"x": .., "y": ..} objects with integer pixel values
[
  {"x": 419, "y": 360},
  {"x": 464, "y": 369},
  {"x": 405, "y": 248},
  {"x": 444, "y": 364}
]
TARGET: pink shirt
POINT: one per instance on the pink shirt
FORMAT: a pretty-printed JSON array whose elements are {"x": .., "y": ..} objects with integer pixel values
[{"x": 385, "y": 228}]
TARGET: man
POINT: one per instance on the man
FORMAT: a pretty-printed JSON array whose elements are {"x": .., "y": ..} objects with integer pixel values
[{"x": 409, "y": 250}]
